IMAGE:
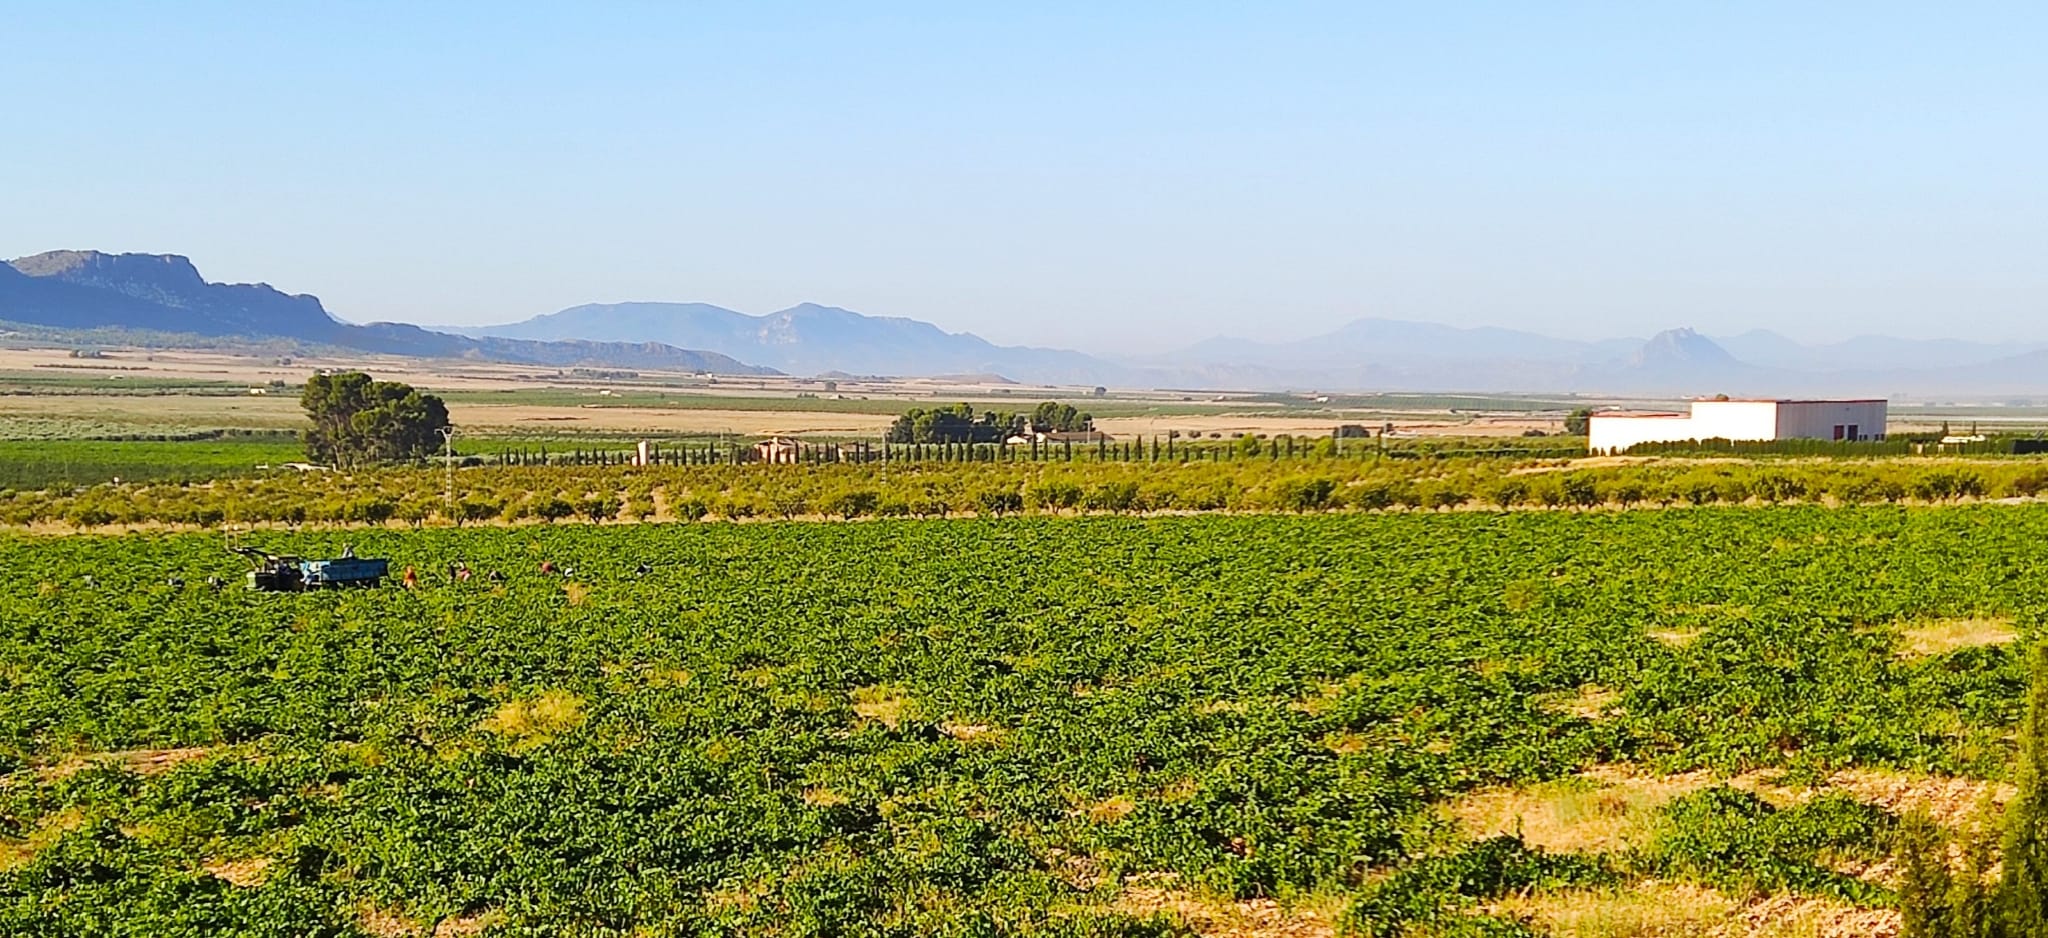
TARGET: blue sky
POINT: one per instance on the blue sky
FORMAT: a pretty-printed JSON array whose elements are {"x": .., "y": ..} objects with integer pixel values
[{"x": 1115, "y": 177}]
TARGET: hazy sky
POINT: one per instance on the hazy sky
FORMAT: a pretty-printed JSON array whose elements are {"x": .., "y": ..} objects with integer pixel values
[{"x": 1106, "y": 176}]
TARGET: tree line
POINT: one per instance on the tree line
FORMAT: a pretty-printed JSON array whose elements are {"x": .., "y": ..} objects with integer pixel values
[
  {"x": 960, "y": 424},
  {"x": 931, "y": 488}
]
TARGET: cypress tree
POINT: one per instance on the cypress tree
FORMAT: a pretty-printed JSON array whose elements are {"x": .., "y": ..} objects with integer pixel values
[
  {"x": 2022, "y": 904},
  {"x": 1969, "y": 913},
  {"x": 1925, "y": 888}
]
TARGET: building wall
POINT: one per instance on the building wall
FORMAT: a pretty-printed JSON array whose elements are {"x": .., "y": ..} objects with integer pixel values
[
  {"x": 1606, "y": 434},
  {"x": 1817, "y": 420},
  {"x": 1741, "y": 420},
  {"x": 1734, "y": 420}
]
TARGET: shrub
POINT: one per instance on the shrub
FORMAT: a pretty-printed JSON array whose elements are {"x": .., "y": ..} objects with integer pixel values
[
  {"x": 1053, "y": 495},
  {"x": 1113, "y": 496},
  {"x": 1580, "y": 490},
  {"x": 1303, "y": 494},
  {"x": 691, "y": 508},
  {"x": 1508, "y": 492},
  {"x": 996, "y": 502},
  {"x": 850, "y": 503}
]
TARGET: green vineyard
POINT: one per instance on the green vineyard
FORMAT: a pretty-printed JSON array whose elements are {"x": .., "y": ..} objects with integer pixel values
[{"x": 1023, "y": 726}]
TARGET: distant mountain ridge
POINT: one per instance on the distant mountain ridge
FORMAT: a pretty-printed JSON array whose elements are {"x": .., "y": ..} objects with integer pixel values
[
  {"x": 164, "y": 293},
  {"x": 812, "y": 339},
  {"x": 1365, "y": 354},
  {"x": 1397, "y": 355},
  {"x": 1384, "y": 339}
]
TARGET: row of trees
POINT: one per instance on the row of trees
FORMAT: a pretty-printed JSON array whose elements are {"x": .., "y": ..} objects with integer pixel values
[
  {"x": 929, "y": 488},
  {"x": 960, "y": 424},
  {"x": 956, "y": 424}
]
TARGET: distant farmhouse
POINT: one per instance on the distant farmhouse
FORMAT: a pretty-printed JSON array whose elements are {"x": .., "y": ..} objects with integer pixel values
[
  {"x": 790, "y": 451},
  {"x": 1721, "y": 418},
  {"x": 780, "y": 450},
  {"x": 1031, "y": 435}
]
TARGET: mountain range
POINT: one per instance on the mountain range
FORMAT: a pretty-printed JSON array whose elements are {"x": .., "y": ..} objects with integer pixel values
[
  {"x": 811, "y": 339},
  {"x": 1366, "y": 354},
  {"x": 1384, "y": 354},
  {"x": 165, "y": 294}
]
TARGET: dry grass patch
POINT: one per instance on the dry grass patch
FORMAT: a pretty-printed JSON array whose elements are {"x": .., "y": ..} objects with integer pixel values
[
  {"x": 820, "y": 796},
  {"x": 139, "y": 761},
  {"x": 976, "y": 733},
  {"x": 247, "y": 873},
  {"x": 472, "y": 924},
  {"x": 389, "y": 923},
  {"x": 15, "y": 853},
  {"x": 1181, "y": 790},
  {"x": 1941, "y": 636},
  {"x": 886, "y": 704},
  {"x": 1078, "y": 870},
  {"x": 1787, "y": 916},
  {"x": 1680, "y": 910},
  {"x": 735, "y": 899},
  {"x": 1108, "y": 810},
  {"x": 1675, "y": 637},
  {"x": 1609, "y": 807},
  {"x": 1601, "y": 810},
  {"x": 1223, "y": 918},
  {"x": 1345, "y": 744},
  {"x": 1590, "y": 702},
  {"x": 1652, "y": 910},
  {"x": 536, "y": 721},
  {"x": 386, "y": 923},
  {"x": 1951, "y": 801},
  {"x": 576, "y": 592}
]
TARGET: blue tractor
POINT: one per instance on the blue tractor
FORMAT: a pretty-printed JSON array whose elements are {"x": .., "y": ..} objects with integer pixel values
[{"x": 281, "y": 573}]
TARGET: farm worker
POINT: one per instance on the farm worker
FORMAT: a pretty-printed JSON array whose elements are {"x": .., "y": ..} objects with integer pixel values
[
  {"x": 547, "y": 566},
  {"x": 412, "y": 579}
]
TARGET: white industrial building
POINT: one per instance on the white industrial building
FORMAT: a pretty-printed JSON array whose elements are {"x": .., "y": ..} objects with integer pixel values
[{"x": 1724, "y": 419}]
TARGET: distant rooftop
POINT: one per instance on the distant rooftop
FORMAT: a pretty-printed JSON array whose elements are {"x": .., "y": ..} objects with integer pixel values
[{"x": 1790, "y": 400}]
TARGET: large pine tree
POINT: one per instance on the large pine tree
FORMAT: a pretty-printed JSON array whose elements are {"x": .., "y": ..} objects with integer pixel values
[{"x": 357, "y": 420}]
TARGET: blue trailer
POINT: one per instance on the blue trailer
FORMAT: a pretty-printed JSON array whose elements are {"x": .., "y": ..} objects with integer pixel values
[
  {"x": 342, "y": 571},
  {"x": 277, "y": 573}
]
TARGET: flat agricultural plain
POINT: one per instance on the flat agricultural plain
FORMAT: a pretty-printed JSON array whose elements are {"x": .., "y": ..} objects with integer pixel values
[
  {"x": 198, "y": 388},
  {"x": 1698, "y": 721}
]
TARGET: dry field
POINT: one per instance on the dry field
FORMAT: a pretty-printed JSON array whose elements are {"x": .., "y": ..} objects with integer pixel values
[
  {"x": 525, "y": 419},
  {"x": 174, "y": 409},
  {"x": 1221, "y": 415},
  {"x": 1231, "y": 425}
]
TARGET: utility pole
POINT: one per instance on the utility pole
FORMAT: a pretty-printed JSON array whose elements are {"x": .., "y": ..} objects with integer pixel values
[{"x": 448, "y": 495}]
